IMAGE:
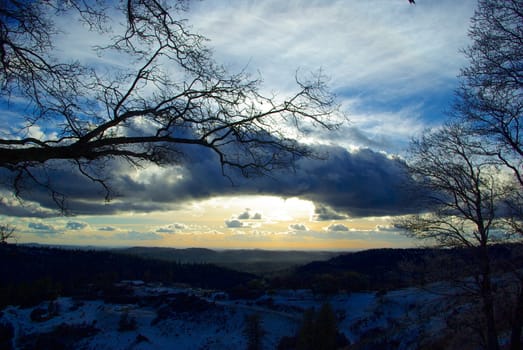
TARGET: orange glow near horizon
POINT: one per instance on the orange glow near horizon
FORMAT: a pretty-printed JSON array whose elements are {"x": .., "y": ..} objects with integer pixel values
[{"x": 248, "y": 222}]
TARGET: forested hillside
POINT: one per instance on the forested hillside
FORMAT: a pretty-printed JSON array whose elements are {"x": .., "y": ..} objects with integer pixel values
[{"x": 30, "y": 274}]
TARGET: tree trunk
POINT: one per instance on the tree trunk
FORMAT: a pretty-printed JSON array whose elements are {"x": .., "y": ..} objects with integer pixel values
[
  {"x": 488, "y": 300},
  {"x": 492, "y": 334},
  {"x": 517, "y": 323}
]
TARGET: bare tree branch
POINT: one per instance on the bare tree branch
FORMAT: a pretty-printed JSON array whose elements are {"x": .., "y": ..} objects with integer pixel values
[
  {"x": 7, "y": 232},
  {"x": 467, "y": 193},
  {"x": 490, "y": 98},
  {"x": 172, "y": 95}
]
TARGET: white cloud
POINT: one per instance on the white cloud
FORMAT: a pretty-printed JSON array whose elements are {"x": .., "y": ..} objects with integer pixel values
[
  {"x": 389, "y": 56},
  {"x": 358, "y": 43}
]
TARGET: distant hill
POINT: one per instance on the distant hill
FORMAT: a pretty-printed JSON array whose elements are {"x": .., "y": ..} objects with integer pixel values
[{"x": 246, "y": 260}]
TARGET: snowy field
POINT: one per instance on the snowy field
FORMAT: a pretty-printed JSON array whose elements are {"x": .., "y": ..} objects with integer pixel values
[{"x": 174, "y": 318}]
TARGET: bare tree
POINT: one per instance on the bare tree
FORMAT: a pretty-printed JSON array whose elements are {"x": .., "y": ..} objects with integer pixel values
[
  {"x": 490, "y": 98},
  {"x": 7, "y": 232},
  {"x": 490, "y": 101},
  {"x": 464, "y": 192},
  {"x": 168, "y": 100}
]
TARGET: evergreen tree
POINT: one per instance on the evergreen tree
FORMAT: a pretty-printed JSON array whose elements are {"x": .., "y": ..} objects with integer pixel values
[
  {"x": 306, "y": 333},
  {"x": 325, "y": 328},
  {"x": 318, "y": 331},
  {"x": 254, "y": 332}
]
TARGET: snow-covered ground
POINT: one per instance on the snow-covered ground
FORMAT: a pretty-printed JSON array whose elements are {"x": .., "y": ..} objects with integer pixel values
[{"x": 397, "y": 317}]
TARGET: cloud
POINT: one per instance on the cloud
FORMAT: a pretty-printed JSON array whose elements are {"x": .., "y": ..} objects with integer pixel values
[
  {"x": 358, "y": 183},
  {"x": 244, "y": 216},
  {"x": 391, "y": 64},
  {"x": 324, "y": 213},
  {"x": 179, "y": 226},
  {"x": 382, "y": 128},
  {"x": 12, "y": 206},
  {"x": 72, "y": 225},
  {"x": 387, "y": 228},
  {"x": 234, "y": 223},
  {"x": 42, "y": 229},
  {"x": 379, "y": 50},
  {"x": 337, "y": 228},
  {"x": 165, "y": 230},
  {"x": 172, "y": 228},
  {"x": 248, "y": 215},
  {"x": 298, "y": 227}
]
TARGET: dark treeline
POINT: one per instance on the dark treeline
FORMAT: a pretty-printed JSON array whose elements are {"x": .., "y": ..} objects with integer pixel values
[
  {"x": 381, "y": 269},
  {"x": 31, "y": 274}
]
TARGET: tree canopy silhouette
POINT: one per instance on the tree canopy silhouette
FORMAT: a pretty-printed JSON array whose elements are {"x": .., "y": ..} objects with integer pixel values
[
  {"x": 471, "y": 167},
  {"x": 464, "y": 193},
  {"x": 490, "y": 97},
  {"x": 163, "y": 98}
]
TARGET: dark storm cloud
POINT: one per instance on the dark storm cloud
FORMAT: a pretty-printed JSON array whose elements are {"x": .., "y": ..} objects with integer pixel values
[
  {"x": 323, "y": 213},
  {"x": 16, "y": 207},
  {"x": 360, "y": 183},
  {"x": 82, "y": 195}
]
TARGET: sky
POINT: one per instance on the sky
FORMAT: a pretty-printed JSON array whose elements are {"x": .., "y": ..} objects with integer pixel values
[{"x": 393, "y": 67}]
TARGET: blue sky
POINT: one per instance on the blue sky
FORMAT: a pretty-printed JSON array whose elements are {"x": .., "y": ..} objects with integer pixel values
[
  {"x": 388, "y": 61},
  {"x": 393, "y": 67}
]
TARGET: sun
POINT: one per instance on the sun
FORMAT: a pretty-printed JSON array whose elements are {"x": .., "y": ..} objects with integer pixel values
[
  {"x": 275, "y": 208},
  {"x": 271, "y": 208}
]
